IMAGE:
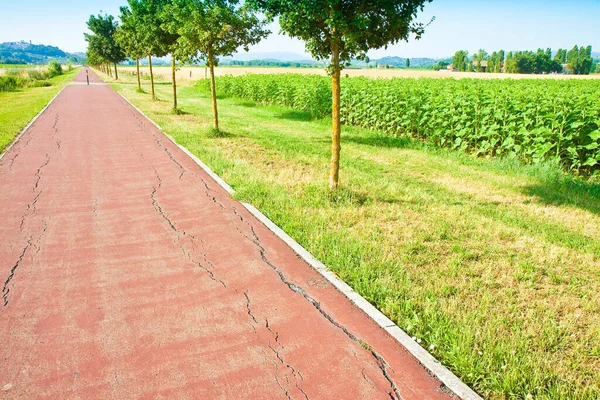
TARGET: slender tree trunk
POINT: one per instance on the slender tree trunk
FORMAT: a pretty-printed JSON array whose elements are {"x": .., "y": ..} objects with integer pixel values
[
  {"x": 137, "y": 65},
  {"x": 151, "y": 77},
  {"x": 174, "y": 84},
  {"x": 336, "y": 130},
  {"x": 116, "y": 73},
  {"x": 213, "y": 88},
  {"x": 108, "y": 68}
]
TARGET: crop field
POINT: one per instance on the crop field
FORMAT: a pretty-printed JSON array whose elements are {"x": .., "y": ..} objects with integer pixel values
[
  {"x": 197, "y": 73},
  {"x": 529, "y": 120},
  {"x": 492, "y": 264}
]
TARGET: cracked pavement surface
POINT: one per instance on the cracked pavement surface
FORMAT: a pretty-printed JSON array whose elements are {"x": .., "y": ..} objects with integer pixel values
[{"x": 127, "y": 272}]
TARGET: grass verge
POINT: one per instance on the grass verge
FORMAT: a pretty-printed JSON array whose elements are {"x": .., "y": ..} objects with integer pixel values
[
  {"x": 493, "y": 267},
  {"x": 19, "y": 107}
]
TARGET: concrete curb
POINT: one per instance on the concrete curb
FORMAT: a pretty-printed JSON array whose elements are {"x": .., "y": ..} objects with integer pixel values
[
  {"x": 427, "y": 360},
  {"x": 16, "y": 139}
]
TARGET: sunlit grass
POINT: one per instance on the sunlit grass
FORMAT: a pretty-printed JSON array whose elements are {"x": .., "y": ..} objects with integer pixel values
[{"x": 18, "y": 108}]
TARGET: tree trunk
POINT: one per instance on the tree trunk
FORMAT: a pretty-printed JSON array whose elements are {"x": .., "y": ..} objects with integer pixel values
[
  {"x": 108, "y": 68},
  {"x": 116, "y": 73},
  {"x": 137, "y": 65},
  {"x": 151, "y": 77},
  {"x": 213, "y": 88},
  {"x": 336, "y": 130},
  {"x": 174, "y": 84}
]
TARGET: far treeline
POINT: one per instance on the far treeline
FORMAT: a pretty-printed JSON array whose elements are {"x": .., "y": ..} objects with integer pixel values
[
  {"x": 204, "y": 30},
  {"x": 577, "y": 61}
]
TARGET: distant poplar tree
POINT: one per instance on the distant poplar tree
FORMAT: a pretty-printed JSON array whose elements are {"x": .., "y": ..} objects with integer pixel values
[{"x": 460, "y": 60}]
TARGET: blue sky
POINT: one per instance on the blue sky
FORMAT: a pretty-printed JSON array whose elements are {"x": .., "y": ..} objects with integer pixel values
[{"x": 459, "y": 24}]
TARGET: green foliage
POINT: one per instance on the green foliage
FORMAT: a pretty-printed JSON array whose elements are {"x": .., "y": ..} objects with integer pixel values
[
  {"x": 351, "y": 27},
  {"x": 102, "y": 44},
  {"x": 561, "y": 56},
  {"x": 145, "y": 25},
  {"x": 530, "y": 120},
  {"x": 129, "y": 34},
  {"x": 440, "y": 65},
  {"x": 16, "y": 79},
  {"x": 480, "y": 56},
  {"x": 8, "y": 83},
  {"x": 54, "y": 68},
  {"x": 460, "y": 61},
  {"x": 212, "y": 28},
  {"x": 528, "y": 62},
  {"x": 579, "y": 60}
]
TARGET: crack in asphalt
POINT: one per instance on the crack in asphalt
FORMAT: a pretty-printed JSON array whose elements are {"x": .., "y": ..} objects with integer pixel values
[
  {"x": 381, "y": 363},
  {"x": 38, "y": 173},
  {"x": 275, "y": 334},
  {"x": 6, "y": 289},
  {"x": 179, "y": 232},
  {"x": 140, "y": 119},
  {"x": 248, "y": 307},
  {"x": 284, "y": 390},
  {"x": 95, "y": 212},
  {"x": 295, "y": 373},
  {"x": 31, "y": 211}
]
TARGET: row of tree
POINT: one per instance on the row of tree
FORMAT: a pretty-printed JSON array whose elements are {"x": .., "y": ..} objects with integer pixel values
[
  {"x": 192, "y": 30},
  {"x": 576, "y": 61}
]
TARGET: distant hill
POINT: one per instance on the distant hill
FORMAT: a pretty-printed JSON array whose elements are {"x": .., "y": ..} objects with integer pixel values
[{"x": 28, "y": 53}]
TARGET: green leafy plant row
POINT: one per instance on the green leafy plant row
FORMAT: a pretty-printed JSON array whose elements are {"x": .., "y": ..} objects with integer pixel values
[{"x": 532, "y": 120}]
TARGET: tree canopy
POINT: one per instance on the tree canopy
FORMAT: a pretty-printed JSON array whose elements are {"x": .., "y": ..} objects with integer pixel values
[
  {"x": 354, "y": 27},
  {"x": 209, "y": 29},
  {"x": 102, "y": 41},
  {"x": 130, "y": 35}
]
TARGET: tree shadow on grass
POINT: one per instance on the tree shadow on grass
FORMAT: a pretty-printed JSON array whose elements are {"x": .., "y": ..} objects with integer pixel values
[
  {"x": 567, "y": 191},
  {"x": 179, "y": 111},
  {"x": 296, "y": 116},
  {"x": 218, "y": 133},
  {"x": 379, "y": 141},
  {"x": 246, "y": 103},
  {"x": 319, "y": 193}
]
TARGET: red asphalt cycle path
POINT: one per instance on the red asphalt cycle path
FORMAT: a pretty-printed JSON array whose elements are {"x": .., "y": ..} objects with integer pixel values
[{"x": 127, "y": 272}]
